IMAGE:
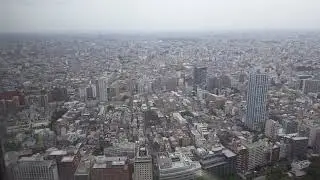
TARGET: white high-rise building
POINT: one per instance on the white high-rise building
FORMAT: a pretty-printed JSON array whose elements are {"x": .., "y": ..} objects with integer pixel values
[
  {"x": 35, "y": 168},
  {"x": 143, "y": 165},
  {"x": 102, "y": 89},
  {"x": 82, "y": 93},
  {"x": 272, "y": 128},
  {"x": 256, "y": 101}
]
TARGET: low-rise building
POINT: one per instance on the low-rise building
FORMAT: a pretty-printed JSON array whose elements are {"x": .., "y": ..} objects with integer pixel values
[{"x": 177, "y": 166}]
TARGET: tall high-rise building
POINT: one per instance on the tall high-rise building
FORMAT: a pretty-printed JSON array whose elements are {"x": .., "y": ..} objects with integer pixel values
[
  {"x": 102, "y": 89},
  {"x": 143, "y": 165},
  {"x": 200, "y": 76},
  {"x": 256, "y": 101},
  {"x": 35, "y": 168}
]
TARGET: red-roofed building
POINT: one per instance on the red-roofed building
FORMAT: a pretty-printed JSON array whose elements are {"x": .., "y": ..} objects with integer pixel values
[{"x": 11, "y": 95}]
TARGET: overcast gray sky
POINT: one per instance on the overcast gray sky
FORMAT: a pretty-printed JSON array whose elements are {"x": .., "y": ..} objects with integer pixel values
[{"x": 157, "y": 15}]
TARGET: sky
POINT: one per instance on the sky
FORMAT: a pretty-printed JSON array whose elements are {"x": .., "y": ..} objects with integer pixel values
[{"x": 157, "y": 15}]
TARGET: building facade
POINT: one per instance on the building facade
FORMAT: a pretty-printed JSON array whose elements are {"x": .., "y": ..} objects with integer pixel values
[
  {"x": 111, "y": 168},
  {"x": 271, "y": 129},
  {"x": 256, "y": 101},
  {"x": 200, "y": 76},
  {"x": 35, "y": 168},
  {"x": 102, "y": 89},
  {"x": 177, "y": 166},
  {"x": 143, "y": 166}
]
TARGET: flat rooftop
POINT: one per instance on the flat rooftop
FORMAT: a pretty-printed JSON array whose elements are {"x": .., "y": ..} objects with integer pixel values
[
  {"x": 58, "y": 153},
  {"x": 67, "y": 159},
  {"x": 99, "y": 166}
]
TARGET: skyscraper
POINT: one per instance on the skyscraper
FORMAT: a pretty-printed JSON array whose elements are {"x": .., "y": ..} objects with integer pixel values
[
  {"x": 200, "y": 76},
  {"x": 102, "y": 87},
  {"x": 256, "y": 101}
]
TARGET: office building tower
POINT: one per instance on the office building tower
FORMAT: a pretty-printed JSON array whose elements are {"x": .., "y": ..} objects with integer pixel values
[
  {"x": 200, "y": 76},
  {"x": 225, "y": 81},
  {"x": 272, "y": 128},
  {"x": 35, "y": 168},
  {"x": 96, "y": 82},
  {"x": 143, "y": 165},
  {"x": 301, "y": 79},
  {"x": 58, "y": 94},
  {"x": 82, "y": 93},
  {"x": 256, "y": 101},
  {"x": 91, "y": 91},
  {"x": 311, "y": 86},
  {"x": 102, "y": 89},
  {"x": 171, "y": 84},
  {"x": 214, "y": 83}
]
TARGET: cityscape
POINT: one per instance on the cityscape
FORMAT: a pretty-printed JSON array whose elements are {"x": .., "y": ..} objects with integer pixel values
[{"x": 160, "y": 106}]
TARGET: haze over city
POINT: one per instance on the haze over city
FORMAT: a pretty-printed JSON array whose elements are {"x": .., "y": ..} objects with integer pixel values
[
  {"x": 157, "y": 15},
  {"x": 159, "y": 89}
]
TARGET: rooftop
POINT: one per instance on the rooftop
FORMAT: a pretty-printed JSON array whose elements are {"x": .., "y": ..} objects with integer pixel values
[
  {"x": 58, "y": 153},
  {"x": 67, "y": 159}
]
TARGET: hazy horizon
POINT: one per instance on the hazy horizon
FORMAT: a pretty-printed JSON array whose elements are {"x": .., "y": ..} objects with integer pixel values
[{"x": 157, "y": 16}]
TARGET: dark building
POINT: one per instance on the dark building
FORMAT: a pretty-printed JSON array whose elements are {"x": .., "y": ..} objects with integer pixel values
[
  {"x": 97, "y": 88},
  {"x": 89, "y": 91},
  {"x": 242, "y": 160},
  {"x": 3, "y": 171},
  {"x": 10, "y": 95},
  {"x": 82, "y": 172},
  {"x": 242, "y": 77},
  {"x": 221, "y": 163},
  {"x": 242, "y": 156},
  {"x": 58, "y": 94},
  {"x": 225, "y": 81},
  {"x": 273, "y": 155},
  {"x": 296, "y": 146},
  {"x": 67, "y": 166},
  {"x": 111, "y": 168},
  {"x": 200, "y": 76},
  {"x": 213, "y": 83},
  {"x": 299, "y": 147},
  {"x": 44, "y": 101},
  {"x": 67, "y": 162},
  {"x": 290, "y": 126}
]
